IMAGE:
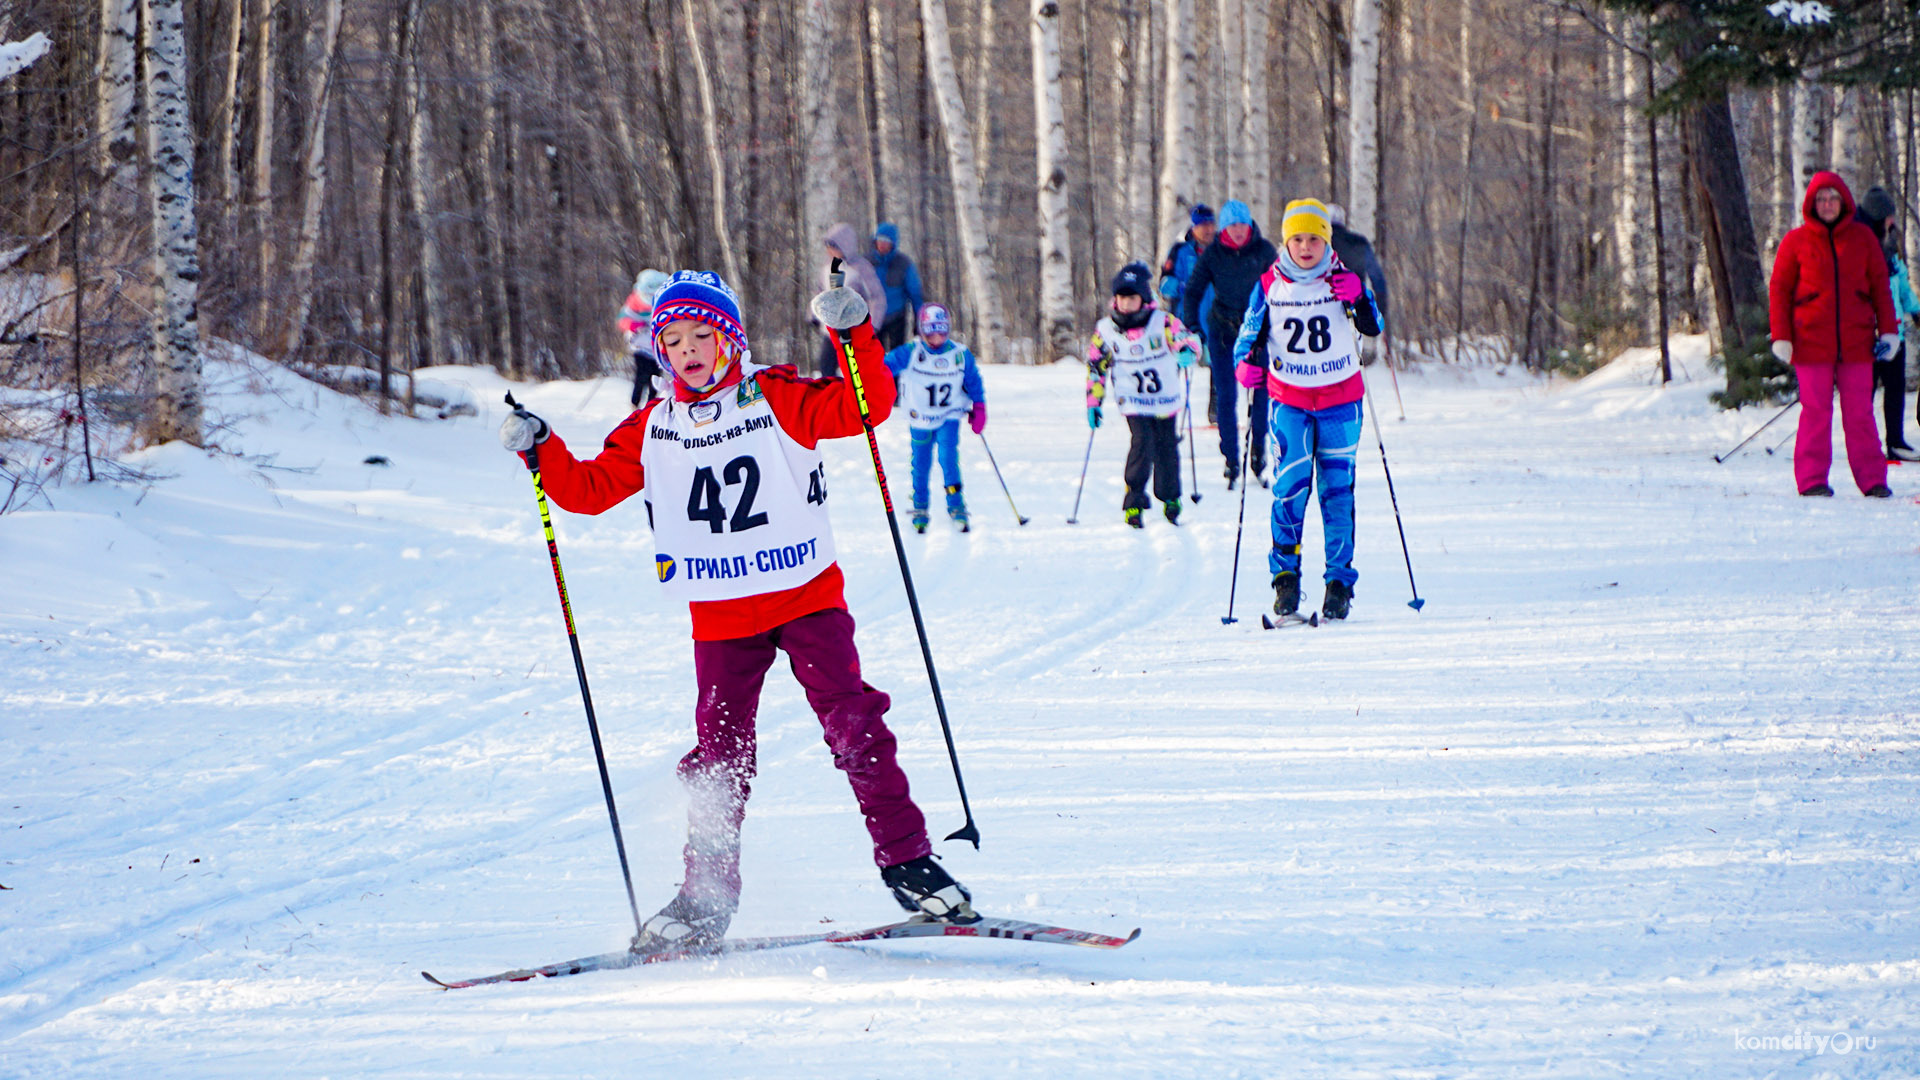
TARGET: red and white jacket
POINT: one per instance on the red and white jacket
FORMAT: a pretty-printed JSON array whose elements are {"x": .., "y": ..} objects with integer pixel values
[{"x": 808, "y": 410}]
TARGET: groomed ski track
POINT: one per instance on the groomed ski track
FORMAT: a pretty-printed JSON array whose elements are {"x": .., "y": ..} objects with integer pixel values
[{"x": 1638, "y": 783}]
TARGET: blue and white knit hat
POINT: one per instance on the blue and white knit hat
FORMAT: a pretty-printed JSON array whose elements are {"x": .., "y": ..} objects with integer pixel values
[
  {"x": 934, "y": 319},
  {"x": 701, "y": 296}
]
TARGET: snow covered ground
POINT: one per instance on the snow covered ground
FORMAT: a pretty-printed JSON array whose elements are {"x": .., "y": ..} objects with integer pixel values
[{"x": 1632, "y": 796}]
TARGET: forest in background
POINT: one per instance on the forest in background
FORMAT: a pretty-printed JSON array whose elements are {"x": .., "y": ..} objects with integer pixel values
[{"x": 389, "y": 184}]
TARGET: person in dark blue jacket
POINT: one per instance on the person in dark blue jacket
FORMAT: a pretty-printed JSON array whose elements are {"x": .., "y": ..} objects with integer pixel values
[
  {"x": 901, "y": 279},
  {"x": 1178, "y": 265},
  {"x": 1230, "y": 270}
]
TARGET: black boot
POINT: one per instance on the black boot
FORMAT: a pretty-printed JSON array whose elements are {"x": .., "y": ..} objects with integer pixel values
[
  {"x": 1286, "y": 593},
  {"x": 1339, "y": 599},
  {"x": 923, "y": 887}
]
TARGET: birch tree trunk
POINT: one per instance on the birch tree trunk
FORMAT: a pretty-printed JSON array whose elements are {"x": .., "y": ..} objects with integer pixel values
[
  {"x": 1849, "y": 143},
  {"x": 1628, "y": 255},
  {"x": 1177, "y": 139},
  {"x": 492, "y": 219},
  {"x": 817, "y": 124},
  {"x": 1050, "y": 142},
  {"x": 433, "y": 299},
  {"x": 262, "y": 172},
  {"x": 716, "y": 163},
  {"x": 983, "y": 286},
  {"x": 985, "y": 78},
  {"x": 118, "y": 142},
  {"x": 1363, "y": 119},
  {"x": 1468, "y": 137},
  {"x": 1806, "y": 132},
  {"x": 1143, "y": 241},
  {"x": 175, "y": 351},
  {"x": 1224, "y": 97},
  {"x": 313, "y": 172},
  {"x": 885, "y": 123},
  {"x": 1784, "y": 202},
  {"x": 1255, "y": 166},
  {"x": 226, "y": 167}
]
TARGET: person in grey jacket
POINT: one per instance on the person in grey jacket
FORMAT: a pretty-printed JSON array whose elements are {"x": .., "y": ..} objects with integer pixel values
[{"x": 844, "y": 244}]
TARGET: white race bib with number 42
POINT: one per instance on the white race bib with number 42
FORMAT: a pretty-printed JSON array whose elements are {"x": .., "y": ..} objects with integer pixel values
[{"x": 738, "y": 507}]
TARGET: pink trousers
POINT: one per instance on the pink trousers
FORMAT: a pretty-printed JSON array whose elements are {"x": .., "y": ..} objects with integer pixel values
[
  {"x": 1813, "y": 448},
  {"x": 719, "y": 771}
]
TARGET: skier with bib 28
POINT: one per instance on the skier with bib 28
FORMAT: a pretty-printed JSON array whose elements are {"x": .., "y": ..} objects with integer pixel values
[
  {"x": 728, "y": 463},
  {"x": 1300, "y": 338},
  {"x": 939, "y": 383},
  {"x": 1142, "y": 349}
]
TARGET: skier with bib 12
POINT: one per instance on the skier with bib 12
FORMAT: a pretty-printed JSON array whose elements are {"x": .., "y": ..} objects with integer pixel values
[
  {"x": 939, "y": 384},
  {"x": 1300, "y": 336},
  {"x": 1142, "y": 349},
  {"x": 729, "y": 467}
]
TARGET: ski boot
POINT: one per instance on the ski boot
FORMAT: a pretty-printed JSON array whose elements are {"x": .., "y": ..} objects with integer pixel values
[
  {"x": 1232, "y": 473},
  {"x": 1172, "y": 509},
  {"x": 924, "y": 888},
  {"x": 957, "y": 508},
  {"x": 1133, "y": 517},
  {"x": 685, "y": 923},
  {"x": 1339, "y": 599},
  {"x": 1901, "y": 452},
  {"x": 920, "y": 519},
  {"x": 1286, "y": 593}
]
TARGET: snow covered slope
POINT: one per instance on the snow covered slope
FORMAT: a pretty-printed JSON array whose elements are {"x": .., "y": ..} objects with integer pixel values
[{"x": 1637, "y": 787}]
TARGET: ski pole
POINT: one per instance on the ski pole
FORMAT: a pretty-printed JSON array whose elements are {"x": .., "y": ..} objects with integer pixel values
[
  {"x": 1074, "y": 518},
  {"x": 1775, "y": 448},
  {"x": 1720, "y": 458},
  {"x": 1193, "y": 457},
  {"x": 1233, "y": 590},
  {"x": 1002, "y": 479},
  {"x": 1416, "y": 603},
  {"x": 532, "y": 458},
  {"x": 968, "y": 831}
]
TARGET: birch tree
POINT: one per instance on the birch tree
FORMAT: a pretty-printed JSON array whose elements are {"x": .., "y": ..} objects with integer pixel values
[
  {"x": 1807, "y": 104},
  {"x": 1627, "y": 251},
  {"x": 174, "y": 355},
  {"x": 983, "y": 287},
  {"x": 433, "y": 305},
  {"x": 1177, "y": 142},
  {"x": 1050, "y": 142},
  {"x": 117, "y": 140},
  {"x": 891, "y": 169},
  {"x": 817, "y": 115},
  {"x": 1143, "y": 240},
  {"x": 716, "y": 163},
  {"x": 313, "y": 182},
  {"x": 1254, "y": 171},
  {"x": 264, "y": 92},
  {"x": 1849, "y": 150},
  {"x": 1363, "y": 118}
]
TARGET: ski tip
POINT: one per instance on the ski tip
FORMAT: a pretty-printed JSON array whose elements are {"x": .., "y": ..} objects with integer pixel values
[
  {"x": 427, "y": 976},
  {"x": 1133, "y": 937},
  {"x": 1416, "y": 603},
  {"x": 1313, "y": 619},
  {"x": 1266, "y": 623}
]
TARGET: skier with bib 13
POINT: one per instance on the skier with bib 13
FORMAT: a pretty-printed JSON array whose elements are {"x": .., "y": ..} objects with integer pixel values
[
  {"x": 1299, "y": 336},
  {"x": 729, "y": 467},
  {"x": 1142, "y": 348},
  {"x": 939, "y": 384}
]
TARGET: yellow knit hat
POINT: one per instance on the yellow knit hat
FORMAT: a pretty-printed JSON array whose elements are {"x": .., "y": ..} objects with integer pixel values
[{"x": 1306, "y": 217}]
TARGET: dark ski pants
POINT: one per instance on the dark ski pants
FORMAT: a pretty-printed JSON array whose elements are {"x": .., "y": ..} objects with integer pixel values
[
  {"x": 1226, "y": 399},
  {"x": 1155, "y": 452},
  {"x": 718, "y": 771},
  {"x": 1891, "y": 375}
]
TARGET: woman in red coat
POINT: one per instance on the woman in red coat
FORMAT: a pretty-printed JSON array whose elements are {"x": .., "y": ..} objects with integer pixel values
[{"x": 1831, "y": 313}]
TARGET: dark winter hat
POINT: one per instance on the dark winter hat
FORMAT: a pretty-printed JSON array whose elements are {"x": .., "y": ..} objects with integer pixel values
[
  {"x": 699, "y": 295},
  {"x": 1134, "y": 278},
  {"x": 1877, "y": 204},
  {"x": 1202, "y": 214}
]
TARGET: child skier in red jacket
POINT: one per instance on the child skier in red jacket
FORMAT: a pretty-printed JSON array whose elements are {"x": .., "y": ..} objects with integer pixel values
[{"x": 731, "y": 473}]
